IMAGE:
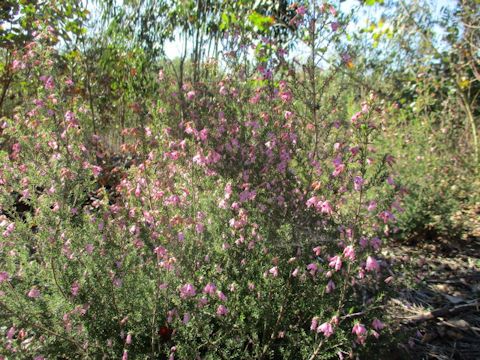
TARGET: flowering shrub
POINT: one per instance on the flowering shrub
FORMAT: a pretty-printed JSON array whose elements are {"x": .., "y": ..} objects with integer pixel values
[{"x": 248, "y": 227}]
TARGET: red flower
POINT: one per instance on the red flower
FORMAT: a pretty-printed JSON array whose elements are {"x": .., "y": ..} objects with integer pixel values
[{"x": 165, "y": 333}]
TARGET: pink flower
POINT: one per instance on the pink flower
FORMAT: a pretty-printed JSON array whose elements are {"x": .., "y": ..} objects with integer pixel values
[
  {"x": 358, "y": 182},
  {"x": 335, "y": 262},
  {"x": 314, "y": 323},
  {"x": 335, "y": 26},
  {"x": 326, "y": 328},
  {"x": 74, "y": 289},
  {"x": 349, "y": 252},
  {"x": 377, "y": 324},
  {"x": 33, "y": 293},
  {"x": 187, "y": 290},
  {"x": 311, "y": 201},
  {"x": 160, "y": 250},
  {"x": 274, "y": 271},
  {"x": 301, "y": 10},
  {"x": 313, "y": 268},
  {"x": 386, "y": 216},
  {"x": 209, "y": 289},
  {"x": 191, "y": 95},
  {"x": 325, "y": 207},
  {"x": 330, "y": 286},
  {"x": 357, "y": 115},
  {"x": 363, "y": 242},
  {"x": 3, "y": 276},
  {"x": 359, "y": 329},
  {"x": 360, "y": 340},
  {"x": 222, "y": 310},
  {"x": 89, "y": 249},
  {"x": 125, "y": 355},
  {"x": 96, "y": 170},
  {"x": 71, "y": 119},
  {"x": 221, "y": 296},
  {"x": 286, "y": 96},
  {"x": 48, "y": 83},
  {"x": 10, "y": 333},
  {"x": 372, "y": 264},
  {"x": 376, "y": 243},
  {"x": 129, "y": 339},
  {"x": 199, "y": 227}
]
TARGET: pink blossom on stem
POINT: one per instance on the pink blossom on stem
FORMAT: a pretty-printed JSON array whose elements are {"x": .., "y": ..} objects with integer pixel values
[
  {"x": 336, "y": 263},
  {"x": 286, "y": 96},
  {"x": 311, "y": 201},
  {"x": 326, "y": 328},
  {"x": 187, "y": 290},
  {"x": 377, "y": 324},
  {"x": 359, "y": 329},
  {"x": 358, "y": 182},
  {"x": 325, "y": 207},
  {"x": 209, "y": 289},
  {"x": 330, "y": 286},
  {"x": 221, "y": 296},
  {"x": 349, "y": 252},
  {"x": 191, "y": 95},
  {"x": 10, "y": 333},
  {"x": 372, "y": 264},
  {"x": 301, "y": 10},
  {"x": 3, "y": 276},
  {"x": 312, "y": 268},
  {"x": 33, "y": 293},
  {"x": 222, "y": 310},
  {"x": 96, "y": 170},
  {"x": 386, "y": 216},
  {"x": 274, "y": 271}
]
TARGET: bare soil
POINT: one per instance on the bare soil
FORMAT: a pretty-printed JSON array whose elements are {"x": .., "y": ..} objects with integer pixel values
[{"x": 437, "y": 315}]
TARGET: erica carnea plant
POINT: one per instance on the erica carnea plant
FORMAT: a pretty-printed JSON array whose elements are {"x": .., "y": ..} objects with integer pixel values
[{"x": 248, "y": 224}]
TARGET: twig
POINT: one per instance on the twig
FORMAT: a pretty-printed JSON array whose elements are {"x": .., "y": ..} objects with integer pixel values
[{"x": 445, "y": 311}]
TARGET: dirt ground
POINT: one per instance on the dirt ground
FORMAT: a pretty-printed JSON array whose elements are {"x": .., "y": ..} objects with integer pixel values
[{"x": 438, "y": 314}]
